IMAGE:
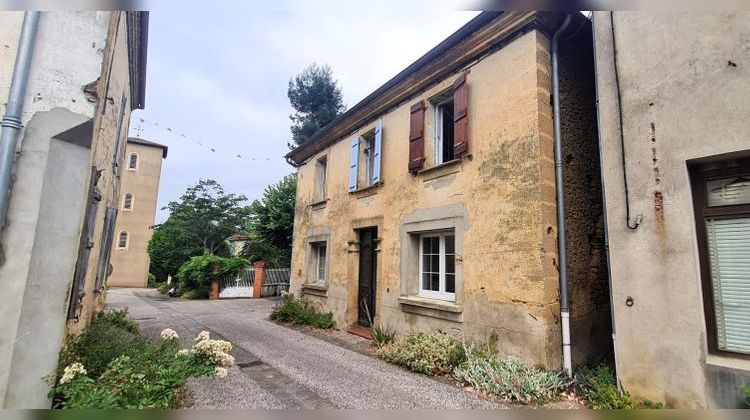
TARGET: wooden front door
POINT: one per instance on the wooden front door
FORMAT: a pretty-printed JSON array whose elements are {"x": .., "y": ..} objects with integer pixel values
[{"x": 367, "y": 270}]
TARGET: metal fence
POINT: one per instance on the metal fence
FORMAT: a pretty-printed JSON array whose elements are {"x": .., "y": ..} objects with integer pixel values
[
  {"x": 275, "y": 281},
  {"x": 244, "y": 278}
]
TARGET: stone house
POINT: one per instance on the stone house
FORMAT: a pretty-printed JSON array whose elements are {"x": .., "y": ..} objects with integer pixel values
[
  {"x": 674, "y": 106},
  {"x": 237, "y": 244},
  {"x": 431, "y": 204},
  {"x": 68, "y": 83},
  {"x": 137, "y": 212}
]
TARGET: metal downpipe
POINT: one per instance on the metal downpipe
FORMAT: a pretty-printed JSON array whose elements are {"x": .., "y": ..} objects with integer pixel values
[
  {"x": 561, "y": 236},
  {"x": 11, "y": 122},
  {"x": 604, "y": 212}
]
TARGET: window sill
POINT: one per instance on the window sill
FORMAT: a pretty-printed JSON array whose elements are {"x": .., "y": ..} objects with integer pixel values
[
  {"x": 443, "y": 169},
  {"x": 739, "y": 362},
  {"x": 315, "y": 289},
  {"x": 431, "y": 307},
  {"x": 367, "y": 191},
  {"x": 319, "y": 204}
]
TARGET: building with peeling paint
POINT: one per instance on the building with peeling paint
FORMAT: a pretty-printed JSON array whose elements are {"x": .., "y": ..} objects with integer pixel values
[
  {"x": 431, "y": 204},
  {"x": 674, "y": 106},
  {"x": 85, "y": 73},
  {"x": 137, "y": 212}
]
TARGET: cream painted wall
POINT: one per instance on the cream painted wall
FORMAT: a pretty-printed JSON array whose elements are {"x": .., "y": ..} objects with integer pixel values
[
  {"x": 72, "y": 50},
  {"x": 681, "y": 100},
  {"x": 131, "y": 265}
]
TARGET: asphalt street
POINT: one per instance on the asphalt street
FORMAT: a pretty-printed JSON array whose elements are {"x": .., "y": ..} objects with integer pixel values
[{"x": 279, "y": 367}]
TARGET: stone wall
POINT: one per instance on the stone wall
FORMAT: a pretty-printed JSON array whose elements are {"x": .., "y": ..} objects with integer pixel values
[{"x": 500, "y": 202}]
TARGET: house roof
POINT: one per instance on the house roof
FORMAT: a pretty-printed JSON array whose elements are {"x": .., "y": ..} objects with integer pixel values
[
  {"x": 137, "y": 25},
  {"x": 136, "y": 140},
  {"x": 485, "y": 33}
]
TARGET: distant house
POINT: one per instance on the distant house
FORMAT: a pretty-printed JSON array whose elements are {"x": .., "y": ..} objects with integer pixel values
[
  {"x": 431, "y": 204},
  {"x": 85, "y": 73},
  {"x": 674, "y": 109},
  {"x": 137, "y": 210},
  {"x": 237, "y": 244}
]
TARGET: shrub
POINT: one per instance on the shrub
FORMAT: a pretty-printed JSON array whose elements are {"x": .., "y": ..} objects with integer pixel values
[
  {"x": 509, "y": 378},
  {"x": 598, "y": 388},
  {"x": 381, "y": 335},
  {"x": 151, "y": 282},
  {"x": 144, "y": 374},
  {"x": 431, "y": 353},
  {"x": 296, "y": 310},
  {"x": 198, "y": 272},
  {"x": 110, "y": 335},
  {"x": 746, "y": 392}
]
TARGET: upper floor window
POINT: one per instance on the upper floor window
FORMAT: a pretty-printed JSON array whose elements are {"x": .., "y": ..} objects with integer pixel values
[
  {"x": 721, "y": 194},
  {"x": 127, "y": 202},
  {"x": 321, "y": 178},
  {"x": 365, "y": 162},
  {"x": 122, "y": 240},
  {"x": 451, "y": 139},
  {"x": 444, "y": 150},
  {"x": 133, "y": 162},
  {"x": 437, "y": 265}
]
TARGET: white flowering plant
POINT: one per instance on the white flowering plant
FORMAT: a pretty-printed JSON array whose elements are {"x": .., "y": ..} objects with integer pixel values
[{"x": 136, "y": 372}]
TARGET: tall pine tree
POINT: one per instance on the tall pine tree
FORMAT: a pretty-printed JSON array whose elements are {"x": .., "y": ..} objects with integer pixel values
[{"x": 316, "y": 98}]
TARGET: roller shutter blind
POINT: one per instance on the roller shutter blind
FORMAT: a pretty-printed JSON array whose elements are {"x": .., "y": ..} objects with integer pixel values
[{"x": 729, "y": 258}]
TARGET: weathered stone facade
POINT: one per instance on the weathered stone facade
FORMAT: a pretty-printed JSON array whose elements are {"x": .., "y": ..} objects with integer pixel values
[{"x": 499, "y": 201}]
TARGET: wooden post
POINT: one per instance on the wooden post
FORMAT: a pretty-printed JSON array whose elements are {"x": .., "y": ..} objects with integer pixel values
[
  {"x": 214, "y": 290},
  {"x": 260, "y": 275}
]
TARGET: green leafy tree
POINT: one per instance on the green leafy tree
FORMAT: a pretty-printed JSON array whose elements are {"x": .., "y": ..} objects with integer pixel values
[
  {"x": 198, "y": 223},
  {"x": 317, "y": 100},
  {"x": 271, "y": 224}
]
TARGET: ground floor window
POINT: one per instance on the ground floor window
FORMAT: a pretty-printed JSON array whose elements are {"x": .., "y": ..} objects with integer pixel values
[
  {"x": 437, "y": 266},
  {"x": 722, "y": 202},
  {"x": 320, "y": 250}
]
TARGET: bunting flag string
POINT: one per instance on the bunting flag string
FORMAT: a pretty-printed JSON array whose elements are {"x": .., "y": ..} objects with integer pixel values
[{"x": 200, "y": 143}]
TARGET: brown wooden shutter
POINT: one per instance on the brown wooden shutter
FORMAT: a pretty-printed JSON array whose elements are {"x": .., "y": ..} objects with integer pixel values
[
  {"x": 416, "y": 137},
  {"x": 460, "y": 119}
]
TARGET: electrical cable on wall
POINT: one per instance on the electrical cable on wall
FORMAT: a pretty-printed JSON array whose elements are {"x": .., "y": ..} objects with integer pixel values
[{"x": 639, "y": 217}]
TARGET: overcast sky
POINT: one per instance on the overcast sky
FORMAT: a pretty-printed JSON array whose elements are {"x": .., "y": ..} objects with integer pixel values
[{"x": 220, "y": 78}]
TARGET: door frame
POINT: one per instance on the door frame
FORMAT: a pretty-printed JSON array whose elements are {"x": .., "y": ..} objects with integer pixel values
[{"x": 374, "y": 275}]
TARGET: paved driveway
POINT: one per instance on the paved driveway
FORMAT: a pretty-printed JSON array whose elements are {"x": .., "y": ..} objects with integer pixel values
[{"x": 278, "y": 367}]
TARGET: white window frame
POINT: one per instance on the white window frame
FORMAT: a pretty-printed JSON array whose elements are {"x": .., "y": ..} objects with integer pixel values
[
  {"x": 318, "y": 246},
  {"x": 127, "y": 240},
  {"x": 368, "y": 139},
  {"x": 137, "y": 161},
  {"x": 441, "y": 294},
  {"x": 132, "y": 201},
  {"x": 438, "y": 141}
]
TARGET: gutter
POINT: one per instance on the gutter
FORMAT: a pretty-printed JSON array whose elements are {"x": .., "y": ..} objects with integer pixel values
[
  {"x": 11, "y": 122},
  {"x": 561, "y": 235}
]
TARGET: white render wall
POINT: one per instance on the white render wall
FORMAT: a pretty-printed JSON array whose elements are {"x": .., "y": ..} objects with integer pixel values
[
  {"x": 68, "y": 54},
  {"x": 682, "y": 99}
]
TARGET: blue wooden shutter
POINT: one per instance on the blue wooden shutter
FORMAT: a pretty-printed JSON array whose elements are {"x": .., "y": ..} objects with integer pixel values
[
  {"x": 376, "y": 153},
  {"x": 353, "y": 165}
]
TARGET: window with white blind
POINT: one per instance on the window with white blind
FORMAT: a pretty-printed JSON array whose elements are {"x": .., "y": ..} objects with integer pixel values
[{"x": 723, "y": 214}]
